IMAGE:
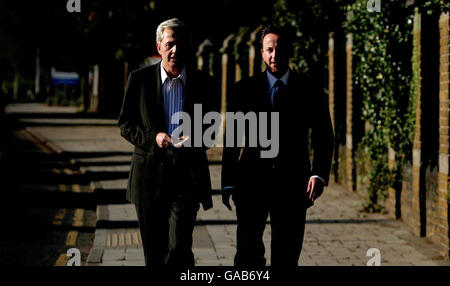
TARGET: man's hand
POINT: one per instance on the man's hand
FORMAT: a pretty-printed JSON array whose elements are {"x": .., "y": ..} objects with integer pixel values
[
  {"x": 315, "y": 188},
  {"x": 163, "y": 140},
  {"x": 226, "y": 193},
  {"x": 181, "y": 140}
]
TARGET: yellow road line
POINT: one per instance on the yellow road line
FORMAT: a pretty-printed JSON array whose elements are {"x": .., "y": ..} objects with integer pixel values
[
  {"x": 71, "y": 239},
  {"x": 57, "y": 220},
  {"x": 76, "y": 188},
  {"x": 78, "y": 217},
  {"x": 62, "y": 260}
]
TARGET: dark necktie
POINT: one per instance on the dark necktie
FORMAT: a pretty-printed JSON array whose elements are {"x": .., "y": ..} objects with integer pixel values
[{"x": 278, "y": 91}]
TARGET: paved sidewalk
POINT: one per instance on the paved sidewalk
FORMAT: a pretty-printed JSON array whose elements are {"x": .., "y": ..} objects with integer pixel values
[{"x": 337, "y": 233}]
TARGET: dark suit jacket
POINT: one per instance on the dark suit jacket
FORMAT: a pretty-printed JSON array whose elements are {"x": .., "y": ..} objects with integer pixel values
[
  {"x": 303, "y": 109},
  {"x": 142, "y": 118}
]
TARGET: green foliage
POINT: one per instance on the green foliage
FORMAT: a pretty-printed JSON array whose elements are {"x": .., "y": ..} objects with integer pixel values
[
  {"x": 240, "y": 50},
  {"x": 431, "y": 6},
  {"x": 448, "y": 189},
  {"x": 310, "y": 22},
  {"x": 382, "y": 76},
  {"x": 385, "y": 74}
]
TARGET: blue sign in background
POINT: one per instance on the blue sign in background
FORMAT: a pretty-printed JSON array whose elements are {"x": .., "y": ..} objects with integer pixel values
[{"x": 65, "y": 81}]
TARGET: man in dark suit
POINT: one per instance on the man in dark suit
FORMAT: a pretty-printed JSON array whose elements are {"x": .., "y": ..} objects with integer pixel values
[
  {"x": 166, "y": 182},
  {"x": 286, "y": 185}
]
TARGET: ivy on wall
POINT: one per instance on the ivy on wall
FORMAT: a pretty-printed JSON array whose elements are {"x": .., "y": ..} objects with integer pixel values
[
  {"x": 385, "y": 75},
  {"x": 382, "y": 76}
]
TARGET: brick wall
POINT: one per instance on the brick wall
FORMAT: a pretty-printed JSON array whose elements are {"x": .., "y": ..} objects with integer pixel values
[
  {"x": 442, "y": 229},
  {"x": 413, "y": 219},
  {"x": 432, "y": 203},
  {"x": 331, "y": 77},
  {"x": 406, "y": 194},
  {"x": 349, "y": 114},
  {"x": 422, "y": 201},
  {"x": 391, "y": 200}
]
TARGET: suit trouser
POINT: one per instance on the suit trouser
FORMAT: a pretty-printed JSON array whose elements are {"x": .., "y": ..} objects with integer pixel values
[
  {"x": 166, "y": 232},
  {"x": 167, "y": 224},
  {"x": 287, "y": 219}
]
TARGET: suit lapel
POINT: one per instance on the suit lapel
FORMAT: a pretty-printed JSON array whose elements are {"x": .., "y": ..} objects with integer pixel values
[
  {"x": 263, "y": 84},
  {"x": 158, "y": 88},
  {"x": 154, "y": 97},
  {"x": 189, "y": 87},
  {"x": 293, "y": 87}
]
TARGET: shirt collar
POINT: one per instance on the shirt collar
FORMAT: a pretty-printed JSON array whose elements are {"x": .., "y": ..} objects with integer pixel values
[
  {"x": 164, "y": 75},
  {"x": 273, "y": 80}
]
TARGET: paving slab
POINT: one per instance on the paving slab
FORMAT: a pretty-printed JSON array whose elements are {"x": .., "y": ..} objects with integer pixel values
[
  {"x": 117, "y": 184},
  {"x": 215, "y": 173},
  {"x": 103, "y": 169},
  {"x": 117, "y": 212},
  {"x": 110, "y": 160},
  {"x": 38, "y": 108}
]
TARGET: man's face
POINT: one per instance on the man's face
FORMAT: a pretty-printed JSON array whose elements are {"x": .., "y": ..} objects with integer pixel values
[
  {"x": 172, "y": 48},
  {"x": 274, "y": 54}
]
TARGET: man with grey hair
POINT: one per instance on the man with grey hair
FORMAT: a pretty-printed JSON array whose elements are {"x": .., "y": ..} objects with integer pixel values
[{"x": 167, "y": 183}]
